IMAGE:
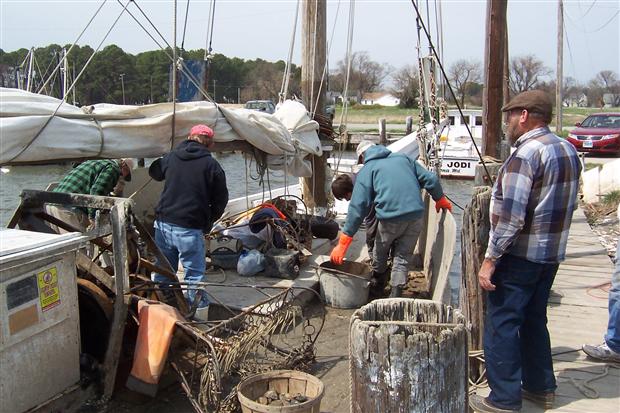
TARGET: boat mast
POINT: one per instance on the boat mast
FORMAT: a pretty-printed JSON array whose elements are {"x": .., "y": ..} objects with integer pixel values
[
  {"x": 30, "y": 69},
  {"x": 313, "y": 19},
  {"x": 493, "y": 78}
]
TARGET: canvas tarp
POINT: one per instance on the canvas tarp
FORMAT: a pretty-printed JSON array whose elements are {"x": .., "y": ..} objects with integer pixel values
[{"x": 126, "y": 131}]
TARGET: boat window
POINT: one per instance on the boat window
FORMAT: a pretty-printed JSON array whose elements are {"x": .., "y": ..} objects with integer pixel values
[
  {"x": 478, "y": 120},
  {"x": 451, "y": 120}
]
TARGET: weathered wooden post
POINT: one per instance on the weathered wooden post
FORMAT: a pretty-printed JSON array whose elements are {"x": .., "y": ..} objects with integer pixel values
[
  {"x": 382, "y": 133},
  {"x": 408, "y": 356},
  {"x": 408, "y": 125},
  {"x": 474, "y": 240}
]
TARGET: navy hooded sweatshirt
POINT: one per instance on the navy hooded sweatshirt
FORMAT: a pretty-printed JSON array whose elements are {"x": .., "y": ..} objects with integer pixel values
[
  {"x": 195, "y": 192},
  {"x": 392, "y": 182}
]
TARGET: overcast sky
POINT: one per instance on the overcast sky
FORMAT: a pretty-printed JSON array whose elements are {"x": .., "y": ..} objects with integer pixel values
[{"x": 383, "y": 28}]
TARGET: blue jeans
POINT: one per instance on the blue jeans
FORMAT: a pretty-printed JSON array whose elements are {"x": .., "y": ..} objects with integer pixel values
[
  {"x": 517, "y": 348},
  {"x": 612, "y": 338},
  {"x": 186, "y": 244}
]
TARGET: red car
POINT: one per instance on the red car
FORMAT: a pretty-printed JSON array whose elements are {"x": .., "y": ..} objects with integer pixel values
[{"x": 598, "y": 133}]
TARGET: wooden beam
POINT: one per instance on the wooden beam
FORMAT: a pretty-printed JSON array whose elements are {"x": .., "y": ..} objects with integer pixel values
[
  {"x": 314, "y": 14},
  {"x": 119, "y": 216},
  {"x": 493, "y": 78},
  {"x": 85, "y": 264}
]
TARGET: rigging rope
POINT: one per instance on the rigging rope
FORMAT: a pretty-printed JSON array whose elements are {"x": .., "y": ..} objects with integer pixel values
[
  {"x": 174, "y": 73},
  {"x": 430, "y": 41},
  {"x": 185, "y": 26},
  {"x": 184, "y": 68},
  {"x": 287, "y": 67},
  {"x": 78, "y": 38},
  {"x": 71, "y": 87}
]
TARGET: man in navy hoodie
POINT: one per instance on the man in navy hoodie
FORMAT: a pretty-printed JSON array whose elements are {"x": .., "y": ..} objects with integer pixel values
[
  {"x": 194, "y": 197},
  {"x": 392, "y": 182}
]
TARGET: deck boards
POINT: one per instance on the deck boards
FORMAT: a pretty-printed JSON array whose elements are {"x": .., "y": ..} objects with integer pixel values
[{"x": 578, "y": 314}]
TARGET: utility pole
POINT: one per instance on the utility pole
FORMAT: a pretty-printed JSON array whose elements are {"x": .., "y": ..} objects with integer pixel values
[
  {"x": 214, "y": 99},
  {"x": 493, "y": 77},
  {"x": 313, "y": 19},
  {"x": 151, "y": 90},
  {"x": 122, "y": 76},
  {"x": 238, "y": 94},
  {"x": 560, "y": 74}
]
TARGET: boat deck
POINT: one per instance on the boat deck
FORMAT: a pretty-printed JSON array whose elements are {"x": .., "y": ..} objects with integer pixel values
[{"x": 578, "y": 314}]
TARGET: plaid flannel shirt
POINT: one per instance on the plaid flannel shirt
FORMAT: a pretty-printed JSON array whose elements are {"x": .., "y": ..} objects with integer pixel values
[
  {"x": 534, "y": 198},
  {"x": 97, "y": 177}
]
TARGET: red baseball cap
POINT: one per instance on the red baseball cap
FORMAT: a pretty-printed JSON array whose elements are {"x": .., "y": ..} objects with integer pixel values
[{"x": 201, "y": 130}]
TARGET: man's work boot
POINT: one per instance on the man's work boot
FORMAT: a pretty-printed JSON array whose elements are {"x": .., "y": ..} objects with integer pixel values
[
  {"x": 377, "y": 284},
  {"x": 481, "y": 404},
  {"x": 397, "y": 291},
  {"x": 543, "y": 399}
]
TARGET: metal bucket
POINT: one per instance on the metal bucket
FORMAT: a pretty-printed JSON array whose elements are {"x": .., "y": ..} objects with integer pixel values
[{"x": 346, "y": 285}]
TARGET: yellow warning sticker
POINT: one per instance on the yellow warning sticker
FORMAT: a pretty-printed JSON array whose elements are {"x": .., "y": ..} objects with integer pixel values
[{"x": 48, "y": 288}]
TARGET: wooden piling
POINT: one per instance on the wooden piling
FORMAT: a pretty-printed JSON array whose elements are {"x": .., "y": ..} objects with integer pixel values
[
  {"x": 474, "y": 240},
  {"x": 382, "y": 132},
  {"x": 408, "y": 356},
  {"x": 408, "y": 125}
]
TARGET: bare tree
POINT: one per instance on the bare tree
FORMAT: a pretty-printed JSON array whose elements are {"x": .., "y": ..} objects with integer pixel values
[
  {"x": 366, "y": 75},
  {"x": 526, "y": 73},
  {"x": 608, "y": 79},
  {"x": 605, "y": 82},
  {"x": 462, "y": 74},
  {"x": 406, "y": 85}
]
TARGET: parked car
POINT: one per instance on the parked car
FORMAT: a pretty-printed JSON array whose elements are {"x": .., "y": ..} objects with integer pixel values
[
  {"x": 599, "y": 132},
  {"x": 261, "y": 105}
]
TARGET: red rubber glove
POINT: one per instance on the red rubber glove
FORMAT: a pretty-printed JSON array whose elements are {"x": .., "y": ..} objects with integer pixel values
[
  {"x": 340, "y": 250},
  {"x": 443, "y": 203}
]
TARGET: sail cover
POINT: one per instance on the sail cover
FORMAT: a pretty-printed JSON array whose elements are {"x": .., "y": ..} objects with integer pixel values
[{"x": 29, "y": 133}]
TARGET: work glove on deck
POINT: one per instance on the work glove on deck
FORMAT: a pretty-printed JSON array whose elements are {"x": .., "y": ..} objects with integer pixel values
[
  {"x": 338, "y": 253},
  {"x": 443, "y": 203}
]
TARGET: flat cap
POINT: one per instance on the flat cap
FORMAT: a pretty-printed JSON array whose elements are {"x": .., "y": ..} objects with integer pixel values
[{"x": 532, "y": 100}]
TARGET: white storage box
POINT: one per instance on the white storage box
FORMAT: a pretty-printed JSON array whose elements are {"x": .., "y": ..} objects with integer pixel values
[{"x": 39, "y": 320}]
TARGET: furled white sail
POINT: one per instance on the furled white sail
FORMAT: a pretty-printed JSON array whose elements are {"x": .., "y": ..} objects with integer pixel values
[{"x": 125, "y": 131}]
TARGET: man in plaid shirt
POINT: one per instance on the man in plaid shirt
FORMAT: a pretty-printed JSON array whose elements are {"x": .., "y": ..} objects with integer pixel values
[
  {"x": 531, "y": 209},
  {"x": 95, "y": 177}
]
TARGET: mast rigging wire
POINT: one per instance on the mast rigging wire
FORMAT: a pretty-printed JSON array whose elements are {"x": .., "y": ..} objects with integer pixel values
[
  {"x": 452, "y": 92},
  {"x": 185, "y": 26},
  {"x": 78, "y": 38},
  {"x": 72, "y": 85}
]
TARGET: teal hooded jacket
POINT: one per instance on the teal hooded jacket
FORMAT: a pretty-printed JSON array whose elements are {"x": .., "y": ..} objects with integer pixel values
[{"x": 392, "y": 182}]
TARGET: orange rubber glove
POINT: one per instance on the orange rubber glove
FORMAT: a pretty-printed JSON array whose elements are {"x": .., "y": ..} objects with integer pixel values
[
  {"x": 340, "y": 250},
  {"x": 443, "y": 203}
]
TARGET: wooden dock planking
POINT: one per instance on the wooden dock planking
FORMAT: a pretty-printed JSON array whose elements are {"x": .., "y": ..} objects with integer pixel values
[{"x": 578, "y": 314}]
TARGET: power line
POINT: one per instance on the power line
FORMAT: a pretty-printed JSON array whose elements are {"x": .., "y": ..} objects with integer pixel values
[{"x": 605, "y": 25}]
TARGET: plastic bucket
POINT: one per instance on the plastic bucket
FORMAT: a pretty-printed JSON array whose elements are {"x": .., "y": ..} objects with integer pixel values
[
  {"x": 281, "y": 381},
  {"x": 346, "y": 285}
]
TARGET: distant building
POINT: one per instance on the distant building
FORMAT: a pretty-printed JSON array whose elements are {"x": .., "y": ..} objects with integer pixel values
[
  {"x": 611, "y": 100},
  {"x": 576, "y": 100},
  {"x": 336, "y": 97},
  {"x": 380, "y": 98}
]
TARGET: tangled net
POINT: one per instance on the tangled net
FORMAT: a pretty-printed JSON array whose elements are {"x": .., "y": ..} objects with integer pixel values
[{"x": 273, "y": 334}]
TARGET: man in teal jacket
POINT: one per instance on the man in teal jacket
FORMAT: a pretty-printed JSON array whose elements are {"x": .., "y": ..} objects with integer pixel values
[{"x": 392, "y": 182}]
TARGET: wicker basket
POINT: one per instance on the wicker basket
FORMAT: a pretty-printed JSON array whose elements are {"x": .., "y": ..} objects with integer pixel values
[{"x": 282, "y": 381}]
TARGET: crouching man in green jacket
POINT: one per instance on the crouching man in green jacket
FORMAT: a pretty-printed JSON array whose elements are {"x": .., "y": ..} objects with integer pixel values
[{"x": 392, "y": 182}]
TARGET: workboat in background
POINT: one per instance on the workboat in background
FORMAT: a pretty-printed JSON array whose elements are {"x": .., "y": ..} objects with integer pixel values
[{"x": 456, "y": 150}]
